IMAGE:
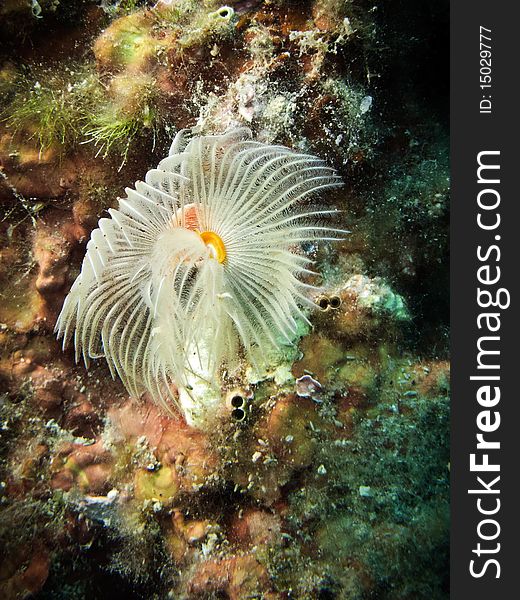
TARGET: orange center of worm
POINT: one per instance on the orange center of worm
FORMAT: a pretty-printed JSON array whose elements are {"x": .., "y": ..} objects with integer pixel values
[
  {"x": 215, "y": 244},
  {"x": 212, "y": 240}
]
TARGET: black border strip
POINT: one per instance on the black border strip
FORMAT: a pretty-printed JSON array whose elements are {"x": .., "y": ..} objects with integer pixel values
[{"x": 473, "y": 132}]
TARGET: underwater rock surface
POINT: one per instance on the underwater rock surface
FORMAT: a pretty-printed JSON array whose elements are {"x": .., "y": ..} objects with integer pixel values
[{"x": 325, "y": 474}]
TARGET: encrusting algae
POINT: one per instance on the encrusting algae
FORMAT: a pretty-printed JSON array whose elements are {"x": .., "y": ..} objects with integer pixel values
[{"x": 271, "y": 416}]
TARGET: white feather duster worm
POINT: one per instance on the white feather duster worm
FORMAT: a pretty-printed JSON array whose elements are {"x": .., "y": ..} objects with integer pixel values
[{"x": 200, "y": 260}]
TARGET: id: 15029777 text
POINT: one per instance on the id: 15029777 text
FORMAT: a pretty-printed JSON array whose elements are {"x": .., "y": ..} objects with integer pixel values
[{"x": 485, "y": 72}]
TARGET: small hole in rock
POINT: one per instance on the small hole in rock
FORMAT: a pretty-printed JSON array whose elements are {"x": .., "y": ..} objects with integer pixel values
[
  {"x": 238, "y": 414},
  {"x": 323, "y": 303},
  {"x": 335, "y": 302},
  {"x": 237, "y": 401}
]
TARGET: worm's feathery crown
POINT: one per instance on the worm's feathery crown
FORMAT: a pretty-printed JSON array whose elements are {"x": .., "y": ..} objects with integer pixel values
[{"x": 197, "y": 261}]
